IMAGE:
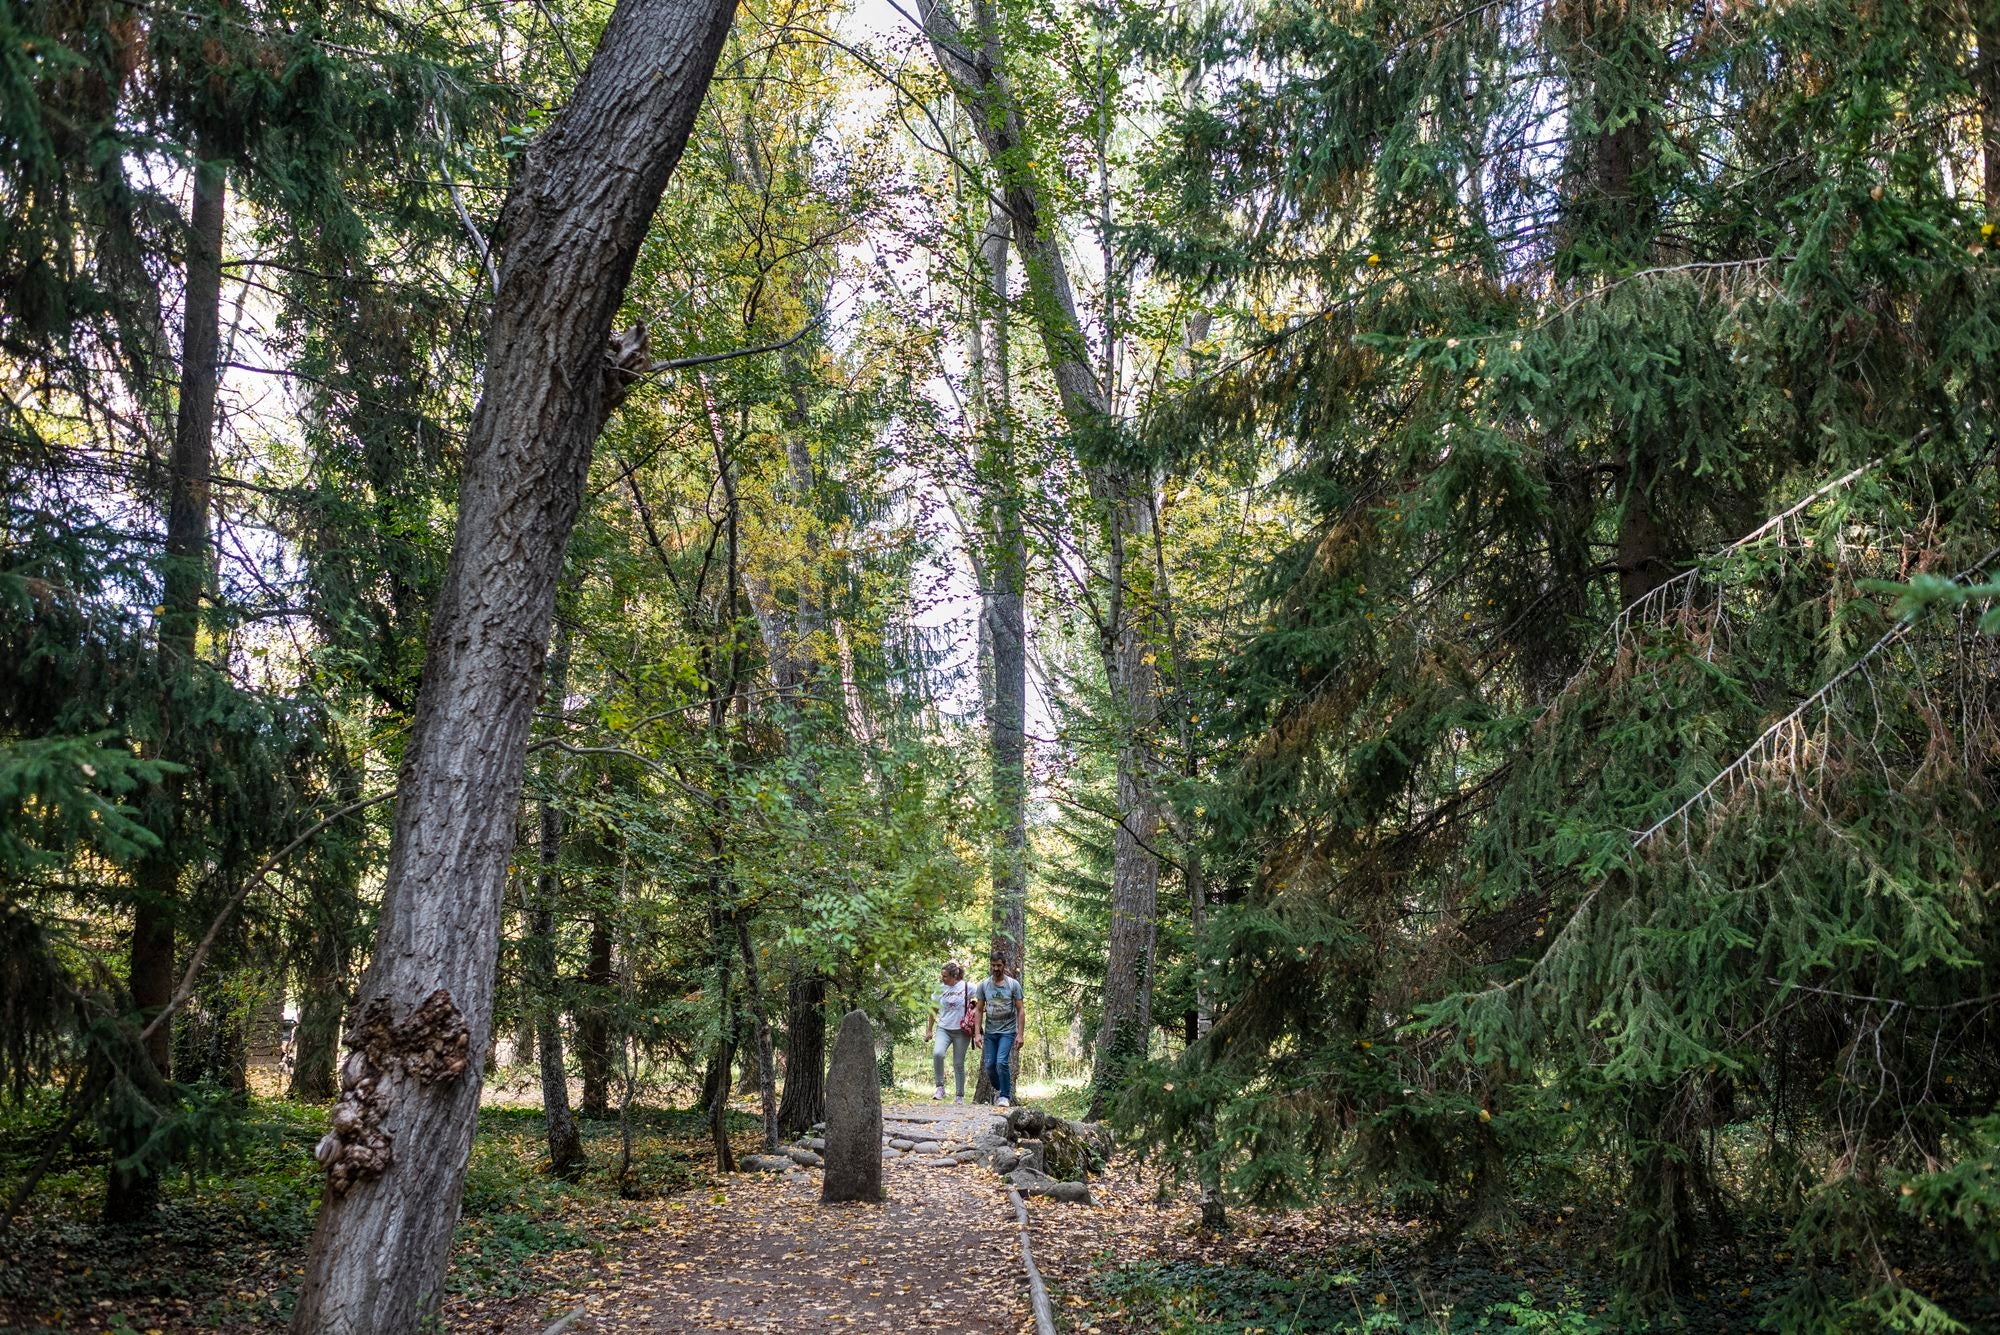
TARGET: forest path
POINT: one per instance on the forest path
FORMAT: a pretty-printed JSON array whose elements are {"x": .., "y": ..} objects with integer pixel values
[{"x": 761, "y": 1253}]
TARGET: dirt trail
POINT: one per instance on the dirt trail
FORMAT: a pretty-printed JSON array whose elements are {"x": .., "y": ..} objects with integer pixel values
[{"x": 762, "y": 1254}]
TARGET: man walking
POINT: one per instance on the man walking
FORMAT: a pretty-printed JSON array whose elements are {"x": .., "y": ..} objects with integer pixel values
[{"x": 1003, "y": 1012}]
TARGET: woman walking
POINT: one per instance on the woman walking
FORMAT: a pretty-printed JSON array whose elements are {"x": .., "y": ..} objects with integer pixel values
[
  {"x": 951, "y": 1025},
  {"x": 1002, "y": 1012}
]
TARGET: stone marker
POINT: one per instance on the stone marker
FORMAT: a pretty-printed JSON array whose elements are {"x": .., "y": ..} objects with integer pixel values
[{"x": 853, "y": 1115}]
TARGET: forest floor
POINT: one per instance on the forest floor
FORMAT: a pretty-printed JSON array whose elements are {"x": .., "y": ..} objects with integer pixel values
[{"x": 754, "y": 1252}]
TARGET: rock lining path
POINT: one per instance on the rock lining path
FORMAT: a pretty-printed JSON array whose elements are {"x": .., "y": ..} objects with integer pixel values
[{"x": 762, "y": 1254}]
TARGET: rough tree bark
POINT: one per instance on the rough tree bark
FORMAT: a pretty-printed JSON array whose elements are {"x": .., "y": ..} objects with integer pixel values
[
  {"x": 574, "y": 221},
  {"x": 1122, "y": 494},
  {"x": 805, "y": 1055},
  {"x": 186, "y": 576}
]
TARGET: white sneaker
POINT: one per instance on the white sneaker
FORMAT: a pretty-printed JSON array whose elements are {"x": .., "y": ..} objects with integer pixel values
[
  {"x": 960, "y": 1100},
  {"x": 939, "y": 1095},
  {"x": 1001, "y": 1102}
]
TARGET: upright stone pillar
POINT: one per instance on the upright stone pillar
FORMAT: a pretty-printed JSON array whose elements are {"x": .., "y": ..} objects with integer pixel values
[{"x": 853, "y": 1116}]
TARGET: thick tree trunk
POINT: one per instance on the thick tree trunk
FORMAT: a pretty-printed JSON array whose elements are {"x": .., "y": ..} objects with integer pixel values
[
  {"x": 574, "y": 222},
  {"x": 1123, "y": 498},
  {"x": 186, "y": 576},
  {"x": 804, "y": 1103},
  {"x": 593, "y": 1022}
]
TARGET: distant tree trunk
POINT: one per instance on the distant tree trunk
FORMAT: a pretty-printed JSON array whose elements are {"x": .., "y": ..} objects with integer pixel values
[
  {"x": 717, "y": 1100},
  {"x": 804, "y": 1104},
  {"x": 1214, "y": 1211},
  {"x": 715, "y": 1084},
  {"x": 1135, "y": 875},
  {"x": 322, "y": 1002},
  {"x": 1004, "y": 618},
  {"x": 593, "y": 1021},
  {"x": 524, "y": 1038},
  {"x": 566, "y": 1157},
  {"x": 186, "y": 577},
  {"x": 329, "y": 953},
  {"x": 574, "y": 220},
  {"x": 766, "y": 1067},
  {"x": 1003, "y": 630}
]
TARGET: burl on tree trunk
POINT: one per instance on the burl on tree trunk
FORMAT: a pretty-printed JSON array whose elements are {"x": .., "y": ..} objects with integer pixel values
[{"x": 574, "y": 222}]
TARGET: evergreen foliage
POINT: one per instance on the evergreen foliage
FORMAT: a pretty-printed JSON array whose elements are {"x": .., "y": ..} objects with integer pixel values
[{"x": 1609, "y": 801}]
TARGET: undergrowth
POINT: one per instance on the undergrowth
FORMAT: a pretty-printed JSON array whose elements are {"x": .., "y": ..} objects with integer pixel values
[{"x": 227, "y": 1245}]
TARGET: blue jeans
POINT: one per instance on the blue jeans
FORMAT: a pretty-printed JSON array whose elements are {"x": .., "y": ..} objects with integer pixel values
[{"x": 999, "y": 1059}]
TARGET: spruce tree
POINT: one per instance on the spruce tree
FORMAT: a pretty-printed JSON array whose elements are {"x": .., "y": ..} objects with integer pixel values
[{"x": 1613, "y": 733}]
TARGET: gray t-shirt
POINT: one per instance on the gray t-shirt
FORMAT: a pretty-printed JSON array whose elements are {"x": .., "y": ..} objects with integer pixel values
[{"x": 1002, "y": 1001}]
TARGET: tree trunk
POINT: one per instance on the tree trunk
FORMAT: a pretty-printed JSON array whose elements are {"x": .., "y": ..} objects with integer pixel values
[
  {"x": 329, "y": 950},
  {"x": 574, "y": 222},
  {"x": 593, "y": 1021},
  {"x": 566, "y": 1157},
  {"x": 715, "y": 1082},
  {"x": 766, "y": 1071},
  {"x": 804, "y": 1103},
  {"x": 186, "y": 576},
  {"x": 524, "y": 1039},
  {"x": 322, "y": 1002},
  {"x": 1123, "y": 498},
  {"x": 1135, "y": 876},
  {"x": 1001, "y": 565},
  {"x": 1004, "y": 618}
]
